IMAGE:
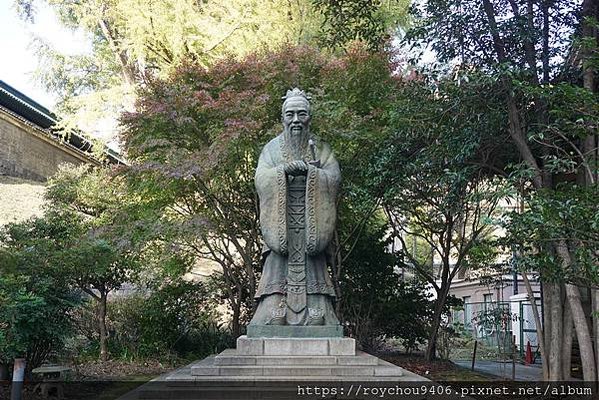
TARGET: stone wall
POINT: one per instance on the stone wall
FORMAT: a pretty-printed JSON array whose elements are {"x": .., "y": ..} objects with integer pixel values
[
  {"x": 20, "y": 199},
  {"x": 28, "y": 152}
]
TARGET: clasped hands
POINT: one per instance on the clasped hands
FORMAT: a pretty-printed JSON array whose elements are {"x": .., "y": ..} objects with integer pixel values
[{"x": 299, "y": 167}]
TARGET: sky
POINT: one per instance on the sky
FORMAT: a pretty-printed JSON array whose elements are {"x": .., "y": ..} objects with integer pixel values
[{"x": 18, "y": 59}]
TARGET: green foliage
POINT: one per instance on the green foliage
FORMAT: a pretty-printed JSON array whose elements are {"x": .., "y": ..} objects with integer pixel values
[
  {"x": 74, "y": 246},
  {"x": 34, "y": 320},
  {"x": 35, "y": 296},
  {"x": 483, "y": 253},
  {"x": 195, "y": 140},
  {"x": 543, "y": 98},
  {"x": 495, "y": 318},
  {"x": 88, "y": 190},
  {"x": 572, "y": 115},
  {"x": 569, "y": 213},
  {"x": 178, "y": 319},
  {"x": 437, "y": 170},
  {"x": 435, "y": 174},
  {"x": 371, "y": 22},
  {"x": 377, "y": 302},
  {"x": 551, "y": 112},
  {"x": 459, "y": 31},
  {"x": 97, "y": 258},
  {"x": 134, "y": 41},
  {"x": 453, "y": 337}
]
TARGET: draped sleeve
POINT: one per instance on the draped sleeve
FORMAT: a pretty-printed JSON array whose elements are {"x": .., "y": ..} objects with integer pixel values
[
  {"x": 271, "y": 185},
  {"x": 322, "y": 186}
]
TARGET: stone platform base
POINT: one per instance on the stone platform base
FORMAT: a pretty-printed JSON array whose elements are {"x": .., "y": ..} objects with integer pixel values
[
  {"x": 292, "y": 357},
  {"x": 291, "y": 331},
  {"x": 278, "y": 346},
  {"x": 276, "y": 368}
]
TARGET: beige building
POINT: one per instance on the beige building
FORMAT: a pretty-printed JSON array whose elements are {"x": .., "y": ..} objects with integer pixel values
[{"x": 507, "y": 293}]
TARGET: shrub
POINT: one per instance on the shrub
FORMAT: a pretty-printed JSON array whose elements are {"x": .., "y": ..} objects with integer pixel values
[
  {"x": 177, "y": 320},
  {"x": 377, "y": 302},
  {"x": 35, "y": 301}
]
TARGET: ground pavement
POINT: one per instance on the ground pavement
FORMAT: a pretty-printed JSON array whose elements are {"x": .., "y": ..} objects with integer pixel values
[{"x": 504, "y": 370}]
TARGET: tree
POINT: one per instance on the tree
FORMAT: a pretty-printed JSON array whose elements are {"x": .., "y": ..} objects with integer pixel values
[
  {"x": 436, "y": 187},
  {"x": 378, "y": 302},
  {"x": 133, "y": 41},
  {"x": 195, "y": 140},
  {"x": 35, "y": 317},
  {"x": 175, "y": 318},
  {"x": 95, "y": 259},
  {"x": 519, "y": 44},
  {"x": 372, "y": 22}
]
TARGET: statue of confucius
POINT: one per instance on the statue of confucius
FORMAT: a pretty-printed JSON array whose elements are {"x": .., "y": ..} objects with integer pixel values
[{"x": 297, "y": 180}]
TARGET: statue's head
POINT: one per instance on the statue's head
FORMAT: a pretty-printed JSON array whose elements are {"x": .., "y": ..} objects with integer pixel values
[{"x": 296, "y": 112}]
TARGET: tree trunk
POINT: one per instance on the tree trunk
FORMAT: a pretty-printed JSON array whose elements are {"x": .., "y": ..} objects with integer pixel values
[
  {"x": 555, "y": 340},
  {"x": 515, "y": 123},
  {"x": 235, "y": 324},
  {"x": 595, "y": 301},
  {"x": 127, "y": 69},
  {"x": 581, "y": 325},
  {"x": 438, "y": 313},
  {"x": 567, "y": 344},
  {"x": 545, "y": 53},
  {"x": 335, "y": 260},
  {"x": 102, "y": 325},
  {"x": 547, "y": 325},
  {"x": 590, "y": 12}
]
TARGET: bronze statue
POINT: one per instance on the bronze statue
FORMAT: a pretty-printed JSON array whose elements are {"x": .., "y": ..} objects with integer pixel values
[{"x": 297, "y": 180}]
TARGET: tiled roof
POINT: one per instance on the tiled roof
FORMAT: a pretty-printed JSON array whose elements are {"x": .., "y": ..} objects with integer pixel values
[{"x": 26, "y": 107}]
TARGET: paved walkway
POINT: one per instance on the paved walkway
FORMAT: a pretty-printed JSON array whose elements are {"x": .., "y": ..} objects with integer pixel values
[{"x": 504, "y": 370}]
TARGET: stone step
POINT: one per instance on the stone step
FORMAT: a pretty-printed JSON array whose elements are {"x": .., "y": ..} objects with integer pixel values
[
  {"x": 360, "y": 358},
  {"x": 225, "y": 361},
  {"x": 289, "y": 331},
  {"x": 181, "y": 384},
  {"x": 230, "y": 357},
  {"x": 207, "y": 367}
]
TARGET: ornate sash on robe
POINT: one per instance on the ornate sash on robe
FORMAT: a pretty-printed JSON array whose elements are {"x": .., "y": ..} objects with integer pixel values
[{"x": 322, "y": 184}]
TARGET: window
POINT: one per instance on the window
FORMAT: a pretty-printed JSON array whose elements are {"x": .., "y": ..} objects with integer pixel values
[
  {"x": 488, "y": 301},
  {"x": 467, "y": 311}
]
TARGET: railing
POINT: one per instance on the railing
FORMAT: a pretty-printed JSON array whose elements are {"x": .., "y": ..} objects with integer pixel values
[{"x": 495, "y": 323}]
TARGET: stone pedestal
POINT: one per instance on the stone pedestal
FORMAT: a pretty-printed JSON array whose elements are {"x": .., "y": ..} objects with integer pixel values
[
  {"x": 290, "y": 358},
  {"x": 291, "y": 331},
  {"x": 275, "y": 368}
]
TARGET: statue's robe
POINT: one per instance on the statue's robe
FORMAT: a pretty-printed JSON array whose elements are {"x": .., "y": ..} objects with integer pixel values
[{"x": 295, "y": 279}]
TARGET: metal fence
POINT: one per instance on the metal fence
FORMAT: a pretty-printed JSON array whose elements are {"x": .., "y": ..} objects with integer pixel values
[{"x": 502, "y": 324}]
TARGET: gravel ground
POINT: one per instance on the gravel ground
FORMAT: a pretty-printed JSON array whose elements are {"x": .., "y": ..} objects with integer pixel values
[{"x": 94, "y": 380}]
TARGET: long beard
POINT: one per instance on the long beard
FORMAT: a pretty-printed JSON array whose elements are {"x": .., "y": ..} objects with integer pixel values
[{"x": 297, "y": 144}]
